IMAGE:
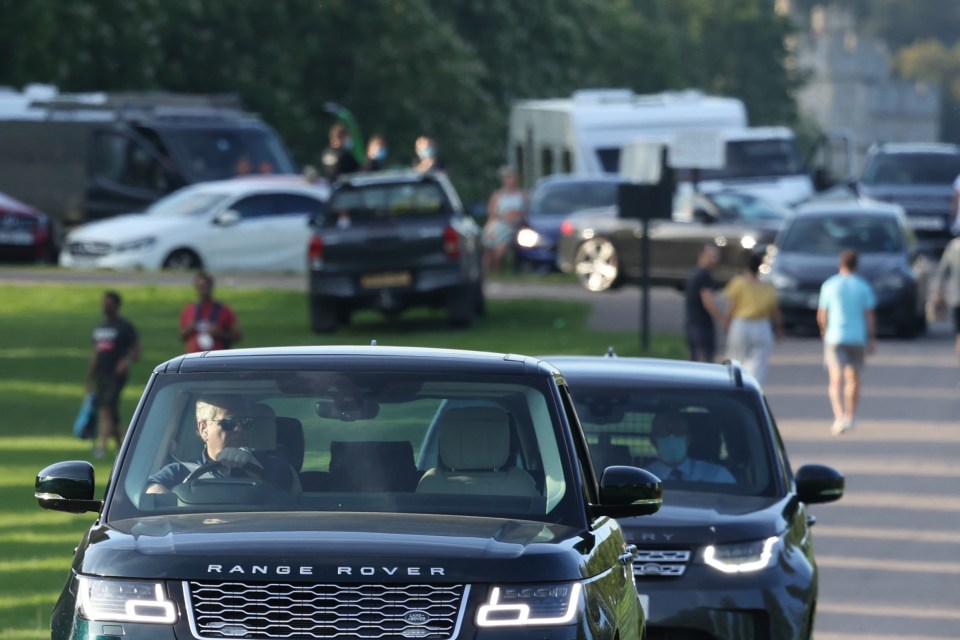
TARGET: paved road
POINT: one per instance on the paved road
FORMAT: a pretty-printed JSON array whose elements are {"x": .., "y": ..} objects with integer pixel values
[{"x": 889, "y": 551}]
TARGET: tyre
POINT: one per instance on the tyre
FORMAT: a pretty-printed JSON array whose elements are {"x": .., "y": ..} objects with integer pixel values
[
  {"x": 325, "y": 315},
  {"x": 597, "y": 265},
  {"x": 462, "y": 306},
  {"x": 182, "y": 260}
]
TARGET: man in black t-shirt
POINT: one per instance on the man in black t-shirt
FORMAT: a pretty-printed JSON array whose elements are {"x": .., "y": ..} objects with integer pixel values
[
  {"x": 701, "y": 308},
  {"x": 338, "y": 159},
  {"x": 115, "y": 348}
]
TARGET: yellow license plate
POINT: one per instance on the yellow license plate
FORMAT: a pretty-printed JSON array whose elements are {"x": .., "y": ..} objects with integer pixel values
[{"x": 389, "y": 279}]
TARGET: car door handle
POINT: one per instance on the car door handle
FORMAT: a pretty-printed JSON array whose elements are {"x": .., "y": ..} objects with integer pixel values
[{"x": 628, "y": 555}]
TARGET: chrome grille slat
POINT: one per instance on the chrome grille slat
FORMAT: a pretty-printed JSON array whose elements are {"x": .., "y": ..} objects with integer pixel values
[
  {"x": 362, "y": 611},
  {"x": 660, "y": 563}
]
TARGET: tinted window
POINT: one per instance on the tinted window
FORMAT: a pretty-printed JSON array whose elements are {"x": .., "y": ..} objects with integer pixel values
[
  {"x": 286, "y": 204},
  {"x": 912, "y": 168},
  {"x": 255, "y": 206},
  {"x": 758, "y": 158},
  {"x": 563, "y": 198},
  {"x": 388, "y": 202},
  {"x": 725, "y": 430},
  {"x": 829, "y": 235},
  {"x": 216, "y": 154},
  {"x": 747, "y": 207}
]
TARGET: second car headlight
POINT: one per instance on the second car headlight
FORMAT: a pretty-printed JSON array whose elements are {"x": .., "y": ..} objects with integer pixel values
[
  {"x": 135, "y": 245},
  {"x": 531, "y": 605},
  {"x": 742, "y": 557},
  {"x": 528, "y": 238},
  {"x": 125, "y": 601}
]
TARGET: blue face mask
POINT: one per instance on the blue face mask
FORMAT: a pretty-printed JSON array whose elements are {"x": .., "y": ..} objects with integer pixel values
[
  {"x": 426, "y": 152},
  {"x": 381, "y": 154},
  {"x": 672, "y": 449},
  {"x": 348, "y": 144}
]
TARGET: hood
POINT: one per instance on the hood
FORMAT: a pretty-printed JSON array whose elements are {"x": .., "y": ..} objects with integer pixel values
[
  {"x": 346, "y": 547},
  {"x": 812, "y": 268},
  {"x": 124, "y": 227},
  {"x": 697, "y": 519}
]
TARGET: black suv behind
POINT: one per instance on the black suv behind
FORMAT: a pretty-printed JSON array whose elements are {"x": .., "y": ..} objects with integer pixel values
[
  {"x": 390, "y": 241},
  {"x": 919, "y": 177},
  {"x": 730, "y": 554},
  {"x": 371, "y": 492}
]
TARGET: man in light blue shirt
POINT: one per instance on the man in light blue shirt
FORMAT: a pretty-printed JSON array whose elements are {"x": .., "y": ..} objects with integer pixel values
[
  {"x": 670, "y": 434},
  {"x": 847, "y": 325}
]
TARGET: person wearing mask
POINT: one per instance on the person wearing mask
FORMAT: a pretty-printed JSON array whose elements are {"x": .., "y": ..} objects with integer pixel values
[
  {"x": 337, "y": 159},
  {"x": 426, "y": 151},
  {"x": 753, "y": 319},
  {"x": 376, "y": 154},
  {"x": 115, "y": 348},
  {"x": 670, "y": 434}
]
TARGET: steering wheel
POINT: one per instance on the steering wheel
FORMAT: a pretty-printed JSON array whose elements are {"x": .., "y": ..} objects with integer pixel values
[{"x": 254, "y": 469}]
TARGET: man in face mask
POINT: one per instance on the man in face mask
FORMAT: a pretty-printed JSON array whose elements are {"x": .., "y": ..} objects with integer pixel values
[{"x": 670, "y": 434}]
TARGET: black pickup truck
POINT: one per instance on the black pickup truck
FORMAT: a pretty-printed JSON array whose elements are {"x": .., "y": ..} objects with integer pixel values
[
  {"x": 353, "y": 493},
  {"x": 390, "y": 241}
]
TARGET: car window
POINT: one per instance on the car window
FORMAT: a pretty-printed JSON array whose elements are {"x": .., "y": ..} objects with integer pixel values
[
  {"x": 747, "y": 207},
  {"x": 912, "y": 168},
  {"x": 557, "y": 199},
  {"x": 258, "y": 206},
  {"x": 829, "y": 235},
  {"x": 726, "y": 435},
  {"x": 363, "y": 442},
  {"x": 385, "y": 202},
  {"x": 286, "y": 204},
  {"x": 756, "y": 158}
]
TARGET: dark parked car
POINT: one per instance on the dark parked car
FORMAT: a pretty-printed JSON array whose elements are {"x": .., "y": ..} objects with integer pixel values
[
  {"x": 26, "y": 234},
  {"x": 919, "y": 177},
  {"x": 553, "y": 199},
  {"x": 398, "y": 493},
  {"x": 727, "y": 558},
  {"x": 393, "y": 240},
  {"x": 603, "y": 249},
  {"x": 807, "y": 253}
]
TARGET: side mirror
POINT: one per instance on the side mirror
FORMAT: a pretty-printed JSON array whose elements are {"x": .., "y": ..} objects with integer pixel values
[
  {"x": 67, "y": 486},
  {"x": 626, "y": 492},
  {"x": 817, "y": 483},
  {"x": 227, "y": 218}
]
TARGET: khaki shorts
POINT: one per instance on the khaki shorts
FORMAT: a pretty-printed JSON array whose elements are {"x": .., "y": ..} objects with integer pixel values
[{"x": 844, "y": 355}]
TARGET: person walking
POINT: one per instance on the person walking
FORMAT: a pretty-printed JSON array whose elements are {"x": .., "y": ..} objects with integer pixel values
[
  {"x": 207, "y": 324},
  {"x": 115, "y": 348},
  {"x": 700, "y": 306},
  {"x": 945, "y": 287},
  {"x": 753, "y": 320},
  {"x": 847, "y": 323}
]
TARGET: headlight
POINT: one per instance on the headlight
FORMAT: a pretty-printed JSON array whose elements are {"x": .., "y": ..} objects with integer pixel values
[
  {"x": 531, "y": 605},
  {"x": 891, "y": 281},
  {"x": 528, "y": 238},
  {"x": 780, "y": 280},
  {"x": 744, "y": 557},
  {"x": 125, "y": 601},
  {"x": 748, "y": 242},
  {"x": 136, "y": 245}
]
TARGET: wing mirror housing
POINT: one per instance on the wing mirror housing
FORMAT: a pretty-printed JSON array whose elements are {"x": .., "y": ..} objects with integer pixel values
[
  {"x": 67, "y": 486},
  {"x": 817, "y": 483},
  {"x": 626, "y": 492}
]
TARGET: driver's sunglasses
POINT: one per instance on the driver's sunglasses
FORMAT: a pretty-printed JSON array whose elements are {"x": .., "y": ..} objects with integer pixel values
[{"x": 232, "y": 422}]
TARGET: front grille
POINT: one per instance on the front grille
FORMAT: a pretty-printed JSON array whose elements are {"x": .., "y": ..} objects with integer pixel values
[
  {"x": 279, "y": 610},
  {"x": 656, "y": 563},
  {"x": 88, "y": 248}
]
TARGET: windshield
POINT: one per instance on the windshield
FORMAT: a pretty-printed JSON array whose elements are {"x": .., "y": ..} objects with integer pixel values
[
  {"x": 218, "y": 154},
  {"x": 559, "y": 199},
  {"x": 361, "y": 442},
  {"x": 748, "y": 207},
  {"x": 378, "y": 203},
  {"x": 912, "y": 168},
  {"x": 758, "y": 159},
  {"x": 829, "y": 235},
  {"x": 723, "y": 435},
  {"x": 185, "y": 203}
]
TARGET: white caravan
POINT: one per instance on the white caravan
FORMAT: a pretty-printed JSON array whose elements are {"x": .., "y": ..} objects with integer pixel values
[{"x": 586, "y": 132}]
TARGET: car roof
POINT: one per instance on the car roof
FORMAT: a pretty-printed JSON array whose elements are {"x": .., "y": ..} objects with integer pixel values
[
  {"x": 848, "y": 206},
  {"x": 245, "y": 185},
  {"x": 653, "y": 372},
  {"x": 382, "y": 358}
]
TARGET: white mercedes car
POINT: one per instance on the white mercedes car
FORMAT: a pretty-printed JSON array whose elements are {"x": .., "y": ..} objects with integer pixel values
[{"x": 249, "y": 224}]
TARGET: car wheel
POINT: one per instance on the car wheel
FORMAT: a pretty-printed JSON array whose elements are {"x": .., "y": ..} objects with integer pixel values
[
  {"x": 596, "y": 265},
  {"x": 462, "y": 306},
  {"x": 325, "y": 315},
  {"x": 182, "y": 260}
]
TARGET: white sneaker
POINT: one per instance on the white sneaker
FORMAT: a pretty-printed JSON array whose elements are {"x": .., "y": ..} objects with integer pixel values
[{"x": 841, "y": 426}]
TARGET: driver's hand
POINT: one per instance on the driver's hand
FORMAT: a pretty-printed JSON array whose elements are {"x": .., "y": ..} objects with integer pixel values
[{"x": 235, "y": 458}]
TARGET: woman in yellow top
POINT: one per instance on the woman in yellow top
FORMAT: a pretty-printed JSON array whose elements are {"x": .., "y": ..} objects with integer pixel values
[{"x": 752, "y": 319}]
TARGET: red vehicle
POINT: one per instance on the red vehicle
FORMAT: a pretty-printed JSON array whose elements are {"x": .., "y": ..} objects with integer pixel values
[{"x": 25, "y": 232}]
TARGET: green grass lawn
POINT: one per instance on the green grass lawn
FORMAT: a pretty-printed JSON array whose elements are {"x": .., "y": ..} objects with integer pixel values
[{"x": 45, "y": 346}]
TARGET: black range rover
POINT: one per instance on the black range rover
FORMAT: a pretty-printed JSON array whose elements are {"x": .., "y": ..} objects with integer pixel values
[
  {"x": 352, "y": 492},
  {"x": 730, "y": 554}
]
